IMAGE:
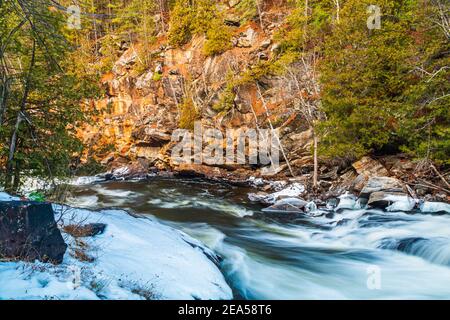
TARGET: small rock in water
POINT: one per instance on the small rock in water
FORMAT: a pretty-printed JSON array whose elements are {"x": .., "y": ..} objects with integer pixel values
[
  {"x": 291, "y": 205},
  {"x": 260, "y": 196}
]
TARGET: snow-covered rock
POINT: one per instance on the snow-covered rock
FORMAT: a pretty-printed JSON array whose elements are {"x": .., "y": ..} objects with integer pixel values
[
  {"x": 347, "y": 201},
  {"x": 400, "y": 203},
  {"x": 134, "y": 258},
  {"x": 287, "y": 205},
  {"x": 292, "y": 191},
  {"x": 384, "y": 199},
  {"x": 435, "y": 207}
]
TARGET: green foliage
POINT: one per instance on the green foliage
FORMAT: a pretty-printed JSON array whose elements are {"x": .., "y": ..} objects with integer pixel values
[
  {"x": 157, "y": 76},
  {"x": 180, "y": 30},
  {"x": 247, "y": 10},
  {"x": 218, "y": 39},
  {"x": 36, "y": 196},
  {"x": 188, "y": 114},
  {"x": 44, "y": 95},
  {"x": 201, "y": 17},
  {"x": 227, "y": 96},
  {"x": 370, "y": 93}
]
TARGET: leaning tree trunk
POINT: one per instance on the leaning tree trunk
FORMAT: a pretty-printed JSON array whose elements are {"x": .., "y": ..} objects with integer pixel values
[{"x": 10, "y": 175}]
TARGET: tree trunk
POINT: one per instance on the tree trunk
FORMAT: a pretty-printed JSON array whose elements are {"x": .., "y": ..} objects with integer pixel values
[
  {"x": 258, "y": 6},
  {"x": 20, "y": 116},
  {"x": 316, "y": 166},
  {"x": 12, "y": 151},
  {"x": 3, "y": 97}
]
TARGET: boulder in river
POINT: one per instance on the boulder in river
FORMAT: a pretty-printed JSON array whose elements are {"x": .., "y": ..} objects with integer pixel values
[
  {"x": 377, "y": 184},
  {"x": 393, "y": 200},
  {"x": 288, "y": 205},
  {"x": 28, "y": 231}
]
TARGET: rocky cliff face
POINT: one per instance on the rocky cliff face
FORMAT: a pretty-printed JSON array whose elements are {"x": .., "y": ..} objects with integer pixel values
[
  {"x": 139, "y": 111},
  {"x": 132, "y": 129}
]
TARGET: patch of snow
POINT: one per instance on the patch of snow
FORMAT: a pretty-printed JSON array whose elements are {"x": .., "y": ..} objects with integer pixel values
[
  {"x": 30, "y": 184},
  {"x": 256, "y": 182},
  {"x": 435, "y": 207},
  {"x": 134, "y": 258},
  {"x": 291, "y": 191},
  {"x": 400, "y": 203},
  {"x": 278, "y": 185},
  {"x": 85, "y": 180},
  {"x": 347, "y": 201},
  {"x": 6, "y": 197},
  {"x": 35, "y": 281},
  {"x": 121, "y": 171}
]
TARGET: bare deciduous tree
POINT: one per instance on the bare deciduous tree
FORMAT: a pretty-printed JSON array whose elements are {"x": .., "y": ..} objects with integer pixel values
[{"x": 303, "y": 89}]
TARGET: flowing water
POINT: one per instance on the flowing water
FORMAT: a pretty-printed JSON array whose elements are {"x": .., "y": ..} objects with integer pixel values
[{"x": 353, "y": 254}]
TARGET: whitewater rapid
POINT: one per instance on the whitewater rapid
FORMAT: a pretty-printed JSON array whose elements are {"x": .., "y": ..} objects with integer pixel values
[{"x": 331, "y": 254}]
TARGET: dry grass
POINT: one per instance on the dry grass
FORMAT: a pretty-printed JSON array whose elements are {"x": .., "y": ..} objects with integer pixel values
[{"x": 78, "y": 231}]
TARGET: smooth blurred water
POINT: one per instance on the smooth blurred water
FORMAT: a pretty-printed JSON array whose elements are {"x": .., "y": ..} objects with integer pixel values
[{"x": 286, "y": 256}]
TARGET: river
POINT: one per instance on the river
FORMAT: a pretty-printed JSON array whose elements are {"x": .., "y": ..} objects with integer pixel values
[{"x": 352, "y": 254}]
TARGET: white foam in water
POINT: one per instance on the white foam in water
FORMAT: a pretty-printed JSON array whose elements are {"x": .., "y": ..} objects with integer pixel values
[
  {"x": 83, "y": 201},
  {"x": 233, "y": 209},
  {"x": 325, "y": 257},
  {"x": 85, "y": 180}
]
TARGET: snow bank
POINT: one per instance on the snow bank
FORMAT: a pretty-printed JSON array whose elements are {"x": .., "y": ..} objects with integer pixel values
[
  {"x": 6, "y": 197},
  {"x": 135, "y": 258}
]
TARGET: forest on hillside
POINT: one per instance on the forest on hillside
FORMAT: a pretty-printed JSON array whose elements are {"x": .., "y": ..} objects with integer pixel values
[{"x": 375, "y": 75}]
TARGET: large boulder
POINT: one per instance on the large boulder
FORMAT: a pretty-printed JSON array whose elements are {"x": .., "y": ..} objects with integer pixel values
[
  {"x": 391, "y": 201},
  {"x": 367, "y": 168},
  {"x": 28, "y": 232},
  {"x": 377, "y": 184},
  {"x": 151, "y": 137}
]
